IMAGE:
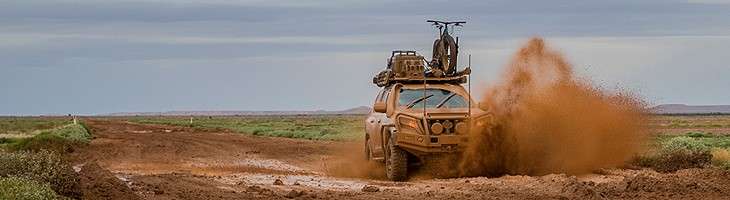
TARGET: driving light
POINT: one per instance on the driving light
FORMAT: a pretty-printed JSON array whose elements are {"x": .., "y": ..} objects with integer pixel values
[
  {"x": 437, "y": 128},
  {"x": 462, "y": 128}
]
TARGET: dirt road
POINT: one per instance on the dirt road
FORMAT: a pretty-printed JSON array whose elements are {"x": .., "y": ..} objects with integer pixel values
[{"x": 132, "y": 161}]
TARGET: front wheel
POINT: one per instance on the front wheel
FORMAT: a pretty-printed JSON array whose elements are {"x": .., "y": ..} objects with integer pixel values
[{"x": 396, "y": 162}]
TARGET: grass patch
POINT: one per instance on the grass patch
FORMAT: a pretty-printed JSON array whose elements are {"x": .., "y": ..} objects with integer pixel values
[
  {"x": 86, "y": 128},
  {"x": 16, "y": 129},
  {"x": 683, "y": 144},
  {"x": 34, "y": 168},
  {"x": 721, "y": 157},
  {"x": 669, "y": 153},
  {"x": 700, "y": 135},
  {"x": 75, "y": 133},
  {"x": 43, "y": 141},
  {"x": 29, "y": 125},
  {"x": 675, "y": 124},
  {"x": 312, "y": 127},
  {"x": 62, "y": 139},
  {"x": 7, "y": 140},
  {"x": 23, "y": 188},
  {"x": 682, "y": 152}
]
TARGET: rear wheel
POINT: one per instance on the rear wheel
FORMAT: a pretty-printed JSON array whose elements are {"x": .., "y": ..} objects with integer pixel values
[
  {"x": 396, "y": 162},
  {"x": 368, "y": 153}
]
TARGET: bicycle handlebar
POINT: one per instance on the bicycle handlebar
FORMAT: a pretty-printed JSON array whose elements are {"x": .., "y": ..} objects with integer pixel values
[{"x": 436, "y": 22}]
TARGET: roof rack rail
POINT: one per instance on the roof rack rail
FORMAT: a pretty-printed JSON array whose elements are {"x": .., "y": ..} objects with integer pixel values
[{"x": 406, "y": 66}]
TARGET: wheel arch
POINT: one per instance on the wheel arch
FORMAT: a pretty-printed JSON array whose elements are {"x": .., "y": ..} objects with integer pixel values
[{"x": 386, "y": 132}]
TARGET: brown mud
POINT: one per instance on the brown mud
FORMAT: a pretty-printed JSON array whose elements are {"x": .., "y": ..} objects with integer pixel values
[
  {"x": 165, "y": 162},
  {"x": 547, "y": 120},
  {"x": 99, "y": 183}
]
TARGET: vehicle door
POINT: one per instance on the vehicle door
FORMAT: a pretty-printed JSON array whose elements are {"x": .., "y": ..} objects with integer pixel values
[{"x": 374, "y": 124}]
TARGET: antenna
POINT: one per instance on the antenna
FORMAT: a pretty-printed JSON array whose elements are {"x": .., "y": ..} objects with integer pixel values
[
  {"x": 471, "y": 98},
  {"x": 424, "y": 92}
]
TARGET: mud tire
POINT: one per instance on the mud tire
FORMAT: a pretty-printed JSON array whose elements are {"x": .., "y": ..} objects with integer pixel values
[
  {"x": 396, "y": 163},
  {"x": 368, "y": 152}
]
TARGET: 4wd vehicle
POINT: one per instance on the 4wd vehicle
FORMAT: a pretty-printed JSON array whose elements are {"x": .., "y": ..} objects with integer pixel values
[{"x": 422, "y": 109}]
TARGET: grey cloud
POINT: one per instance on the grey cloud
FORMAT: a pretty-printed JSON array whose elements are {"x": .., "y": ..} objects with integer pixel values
[{"x": 108, "y": 56}]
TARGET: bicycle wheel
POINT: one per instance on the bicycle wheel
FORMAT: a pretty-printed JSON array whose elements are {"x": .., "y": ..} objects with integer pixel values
[
  {"x": 450, "y": 53},
  {"x": 437, "y": 54}
]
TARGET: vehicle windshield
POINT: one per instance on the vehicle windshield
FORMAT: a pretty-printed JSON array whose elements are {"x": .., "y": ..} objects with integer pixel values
[{"x": 434, "y": 98}]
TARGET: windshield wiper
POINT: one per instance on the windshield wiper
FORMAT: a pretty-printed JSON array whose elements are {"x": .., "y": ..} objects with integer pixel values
[
  {"x": 445, "y": 100},
  {"x": 414, "y": 102}
]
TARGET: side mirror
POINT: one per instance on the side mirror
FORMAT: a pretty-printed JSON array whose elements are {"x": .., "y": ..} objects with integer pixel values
[
  {"x": 380, "y": 107},
  {"x": 484, "y": 106},
  {"x": 466, "y": 71}
]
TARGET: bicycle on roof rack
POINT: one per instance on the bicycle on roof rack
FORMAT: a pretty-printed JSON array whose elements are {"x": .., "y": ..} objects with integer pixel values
[
  {"x": 445, "y": 49},
  {"x": 422, "y": 113}
]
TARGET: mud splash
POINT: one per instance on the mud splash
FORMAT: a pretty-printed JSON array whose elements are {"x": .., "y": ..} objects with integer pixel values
[
  {"x": 348, "y": 166},
  {"x": 546, "y": 120}
]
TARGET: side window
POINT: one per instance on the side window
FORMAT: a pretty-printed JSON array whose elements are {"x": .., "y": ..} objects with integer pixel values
[
  {"x": 386, "y": 92},
  {"x": 380, "y": 96}
]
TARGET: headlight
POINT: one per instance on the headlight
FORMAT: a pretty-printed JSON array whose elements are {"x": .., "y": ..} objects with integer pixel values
[
  {"x": 410, "y": 124},
  {"x": 483, "y": 121}
]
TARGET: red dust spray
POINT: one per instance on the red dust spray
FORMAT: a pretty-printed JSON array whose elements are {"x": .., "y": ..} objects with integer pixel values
[{"x": 548, "y": 121}]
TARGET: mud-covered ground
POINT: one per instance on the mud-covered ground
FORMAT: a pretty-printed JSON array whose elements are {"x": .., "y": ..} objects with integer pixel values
[{"x": 132, "y": 161}]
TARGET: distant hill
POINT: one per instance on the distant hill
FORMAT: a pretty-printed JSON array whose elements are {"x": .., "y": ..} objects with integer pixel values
[
  {"x": 352, "y": 111},
  {"x": 685, "y": 109},
  {"x": 356, "y": 110}
]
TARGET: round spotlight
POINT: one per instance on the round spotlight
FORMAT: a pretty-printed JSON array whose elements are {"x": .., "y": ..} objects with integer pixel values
[
  {"x": 437, "y": 128},
  {"x": 462, "y": 128}
]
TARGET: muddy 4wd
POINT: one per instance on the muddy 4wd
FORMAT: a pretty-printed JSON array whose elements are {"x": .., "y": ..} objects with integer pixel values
[{"x": 422, "y": 110}]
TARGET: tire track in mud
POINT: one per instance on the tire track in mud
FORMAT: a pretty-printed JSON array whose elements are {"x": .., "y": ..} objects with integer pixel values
[
  {"x": 166, "y": 162},
  {"x": 218, "y": 160}
]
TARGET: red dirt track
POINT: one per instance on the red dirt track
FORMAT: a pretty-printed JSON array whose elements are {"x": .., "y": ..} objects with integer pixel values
[{"x": 133, "y": 161}]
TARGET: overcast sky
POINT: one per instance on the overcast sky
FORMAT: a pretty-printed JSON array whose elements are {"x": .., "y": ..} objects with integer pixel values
[{"x": 98, "y": 56}]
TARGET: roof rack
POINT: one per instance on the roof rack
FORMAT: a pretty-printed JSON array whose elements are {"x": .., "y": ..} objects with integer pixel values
[{"x": 406, "y": 66}]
